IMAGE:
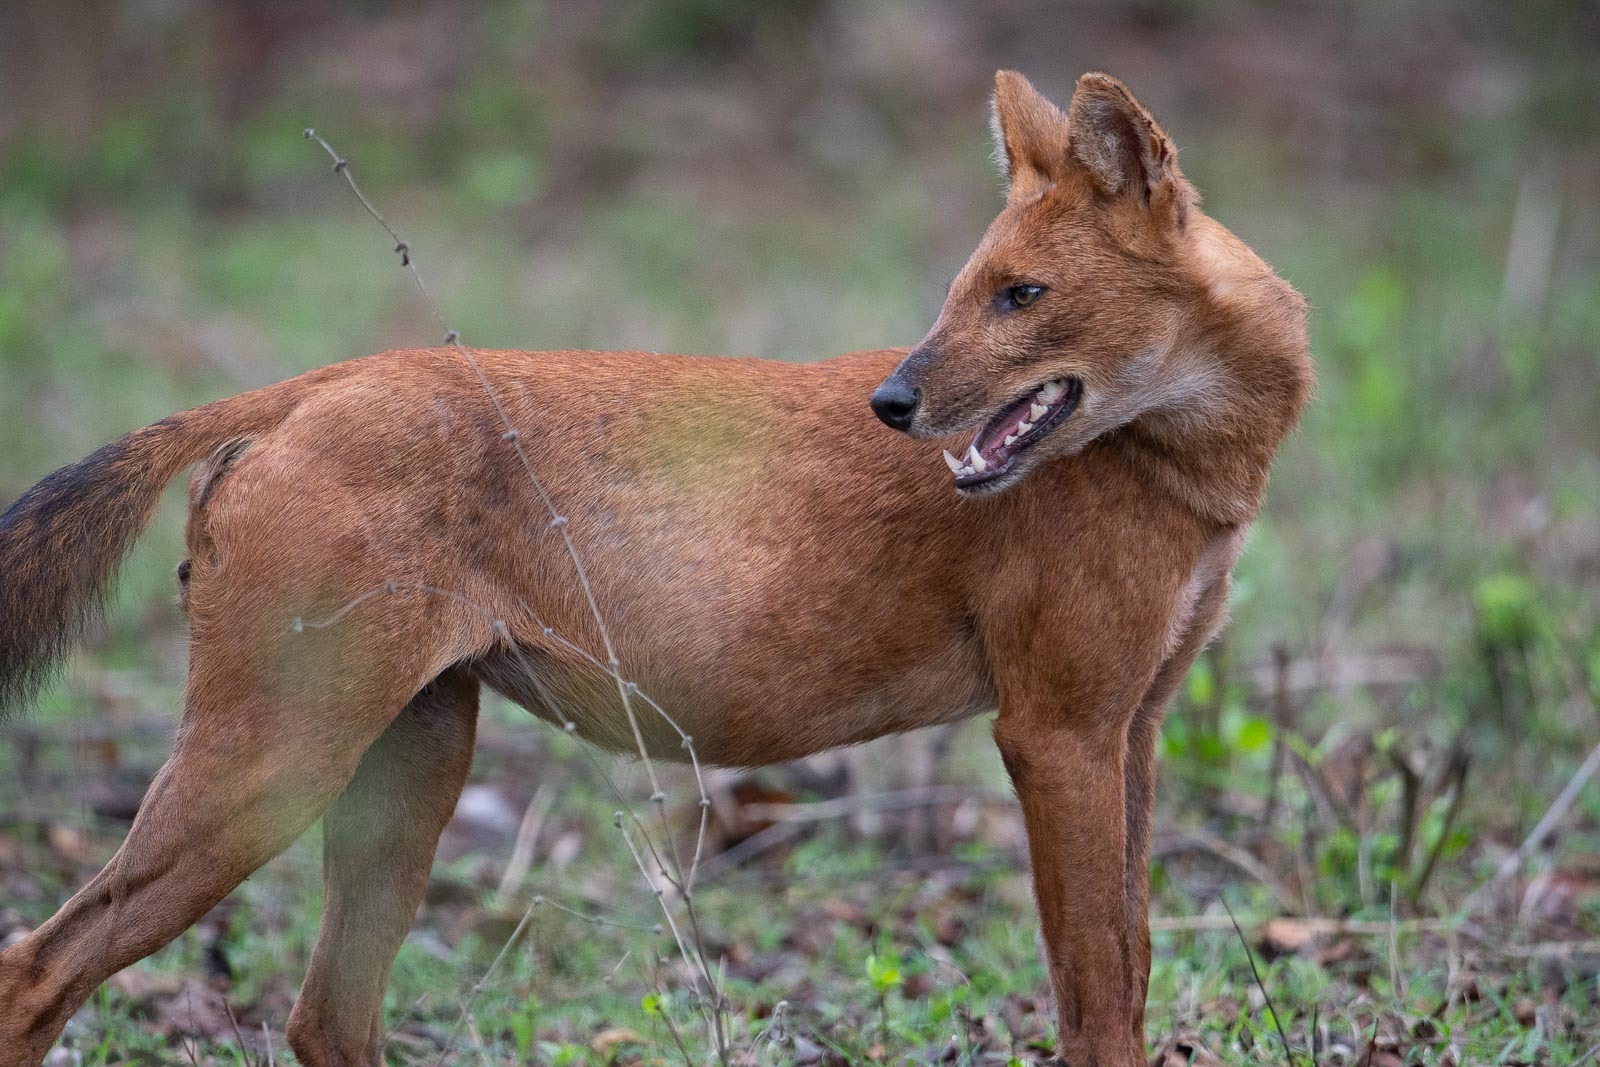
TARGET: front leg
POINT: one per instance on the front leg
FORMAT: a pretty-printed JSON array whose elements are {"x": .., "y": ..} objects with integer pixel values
[
  {"x": 1084, "y": 657},
  {"x": 1070, "y": 776},
  {"x": 1140, "y": 770}
]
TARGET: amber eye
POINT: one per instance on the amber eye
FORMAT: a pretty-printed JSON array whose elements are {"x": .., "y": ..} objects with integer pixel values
[{"x": 1020, "y": 296}]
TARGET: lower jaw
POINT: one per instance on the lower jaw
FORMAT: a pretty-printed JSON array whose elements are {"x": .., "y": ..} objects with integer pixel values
[
  {"x": 996, "y": 478},
  {"x": 991, "y": 481}
]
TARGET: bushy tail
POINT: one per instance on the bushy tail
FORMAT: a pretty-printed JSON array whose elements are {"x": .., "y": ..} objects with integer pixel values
[{"x": 61, "y": 542}]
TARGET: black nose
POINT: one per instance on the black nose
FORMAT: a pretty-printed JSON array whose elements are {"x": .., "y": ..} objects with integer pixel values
[{"x": 895, "y": 402}]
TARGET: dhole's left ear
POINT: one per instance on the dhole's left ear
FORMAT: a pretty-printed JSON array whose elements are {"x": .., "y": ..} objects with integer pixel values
[{"x": 1125, "y": 152}]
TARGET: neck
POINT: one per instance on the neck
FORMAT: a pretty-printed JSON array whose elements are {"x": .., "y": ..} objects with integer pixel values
[{"x": 1212, "y": 447}]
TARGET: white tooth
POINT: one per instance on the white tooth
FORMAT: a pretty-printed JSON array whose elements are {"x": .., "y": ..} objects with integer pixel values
[
  {"x": 1023, "y": 427},
  {"x": 1011, "y": 439},
  {"x": 1036, "y": 412},
  {"x": 975, "y": 460},
  {"x": 1049, "y": 392},
  {"x": 952, "y": 462}
]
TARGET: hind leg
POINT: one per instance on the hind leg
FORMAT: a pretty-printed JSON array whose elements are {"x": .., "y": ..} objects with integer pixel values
[
  {"x": 378, "y": 844},
  {"x": 272, "y": 731}
]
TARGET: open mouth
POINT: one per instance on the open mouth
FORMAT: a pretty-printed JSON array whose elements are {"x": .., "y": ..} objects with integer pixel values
[{"x": 1025, "y": 423}]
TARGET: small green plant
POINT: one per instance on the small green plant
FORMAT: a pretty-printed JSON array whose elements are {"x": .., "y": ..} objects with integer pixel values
[
  {"x": 562, "y": 1054},
  {"x": 1513, "y": 634},
  {"x": 522, "y": 1025},
  {"x": 884, "y": 974}
]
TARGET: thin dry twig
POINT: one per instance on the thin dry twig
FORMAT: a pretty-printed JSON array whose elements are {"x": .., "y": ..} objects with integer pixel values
[
  {"x": 1557, "y": 811},
  {"x": 477, "y": 987},
  {"x": 1453, "y": 777},
  {"x": 1249, "y": 954},
  {"x": 890, "y": 800},
  {"x": 1553, "y": 815},
  {"x": 558, "y": 521},
  {"x": 611, "y": 665},
  {"x": 1317, "y": 927},
  {"x": 533, "y": 818},
  {"x": 1587, "y": 1056},
  {"x": 238, "y": 1035}
]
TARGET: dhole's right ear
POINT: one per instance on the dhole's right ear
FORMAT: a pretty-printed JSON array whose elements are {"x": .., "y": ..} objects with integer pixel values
[
  {"x": 1030, "y": 137},
  {"x": 1125, "y": 152}
]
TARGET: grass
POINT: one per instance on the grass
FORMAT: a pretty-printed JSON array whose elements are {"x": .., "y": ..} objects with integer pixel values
[
  {"x": 1430, "y": 532},
  {"x": 884, "y": 957}
]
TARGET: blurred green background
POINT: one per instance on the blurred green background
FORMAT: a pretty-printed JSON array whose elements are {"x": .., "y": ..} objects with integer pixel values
[{"x": 798, "y": 179}]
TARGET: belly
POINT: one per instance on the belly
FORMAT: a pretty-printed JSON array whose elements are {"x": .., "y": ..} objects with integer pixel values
[{"x": 750, "y": 690}]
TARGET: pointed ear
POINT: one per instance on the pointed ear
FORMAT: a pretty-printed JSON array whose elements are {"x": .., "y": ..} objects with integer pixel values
[
  {"x": 1119, "y": 144},
  {"x": 1030, "y": 137}
]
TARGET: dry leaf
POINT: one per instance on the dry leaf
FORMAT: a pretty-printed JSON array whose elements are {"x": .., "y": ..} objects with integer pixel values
[
  {"x": 607, "y": 1040},
  {"x": 68, "y": 842},
  {"x": 1286, "y": 937}
]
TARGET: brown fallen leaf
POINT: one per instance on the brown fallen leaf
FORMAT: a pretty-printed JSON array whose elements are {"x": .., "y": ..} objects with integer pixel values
[
  {"x": 840, "y": 910},
  {"x": 68, "y": 842},
  {"x": 141, "y": 986},
  {"x": 192, "y": 1008},
  {"x": 607, "y": 1040},
  {"x": 1286, "y": 936}
]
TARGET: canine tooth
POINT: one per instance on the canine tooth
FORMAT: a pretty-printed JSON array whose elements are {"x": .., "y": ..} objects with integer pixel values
[
  {"x": 1036, "y": 412},
  {"x": 1023, "y": 427},
  {"x": 1011, "y": 439},
  {"x": 952, "y": 462},
  {"x": 976, "y": 460}
]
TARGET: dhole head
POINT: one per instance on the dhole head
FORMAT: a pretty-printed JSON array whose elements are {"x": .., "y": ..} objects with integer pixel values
[{"x": 1062, "y": 324}]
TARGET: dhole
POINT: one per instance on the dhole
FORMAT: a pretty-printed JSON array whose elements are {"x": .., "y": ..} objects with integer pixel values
[{"x": 1111, "y": 374}]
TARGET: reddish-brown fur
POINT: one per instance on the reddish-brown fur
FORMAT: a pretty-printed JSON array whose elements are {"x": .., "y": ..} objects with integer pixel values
[{"x": 779, "y": 571}]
